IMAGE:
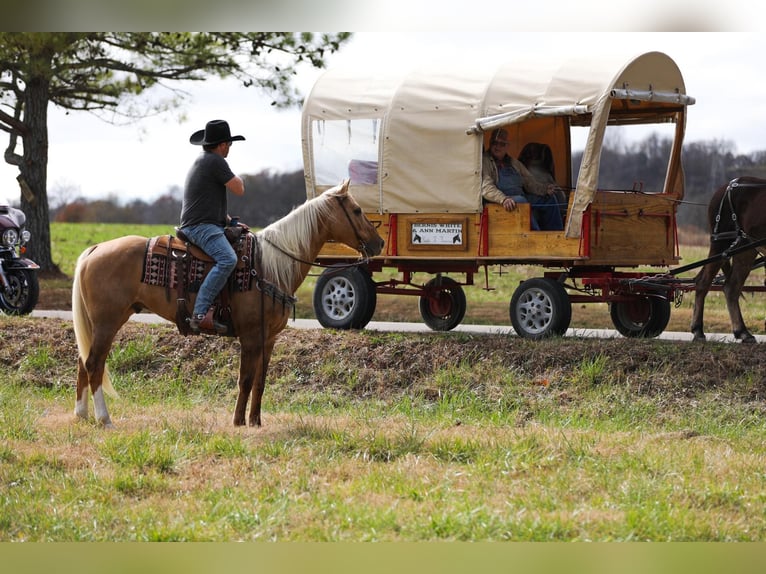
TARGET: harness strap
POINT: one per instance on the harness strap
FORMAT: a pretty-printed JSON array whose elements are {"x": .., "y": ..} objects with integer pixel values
[
  {"x": 181, "y": 261},
  {"x": 740, "y": 241},
  {"x": 737, "y": 233}
]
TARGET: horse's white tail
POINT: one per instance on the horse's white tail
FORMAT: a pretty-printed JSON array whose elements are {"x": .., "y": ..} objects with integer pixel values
[{"x": 83, "y": 327}]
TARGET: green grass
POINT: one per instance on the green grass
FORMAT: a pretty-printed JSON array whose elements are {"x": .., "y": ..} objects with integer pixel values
[
  {"x": 577, "y": 442},
  {"x": 332, "y": 479},
  {"x": 68, "y": 240},
  {"x": 554, "y": 445}
]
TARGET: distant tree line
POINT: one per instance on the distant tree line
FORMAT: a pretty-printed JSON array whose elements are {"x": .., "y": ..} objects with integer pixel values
[
  {"x": 707, "y": 166},
  {"x": 270, "y": 195}
]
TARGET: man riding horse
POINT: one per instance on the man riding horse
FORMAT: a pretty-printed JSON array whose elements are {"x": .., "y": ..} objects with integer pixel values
[{"x": 204, "y": 216}]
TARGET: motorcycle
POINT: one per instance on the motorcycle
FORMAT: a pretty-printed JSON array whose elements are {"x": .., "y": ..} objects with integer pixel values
[{"x": 19, "y": 285}]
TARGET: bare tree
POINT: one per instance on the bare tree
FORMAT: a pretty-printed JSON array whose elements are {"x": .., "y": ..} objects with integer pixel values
[{"x": 61, "y": 193}]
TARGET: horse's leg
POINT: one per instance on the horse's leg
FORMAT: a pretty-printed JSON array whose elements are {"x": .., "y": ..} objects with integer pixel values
[
  {"x": 741, "y": 266},
  {"x": 81, "y": 403},
  {"x": 253, "y": 366},
  {"x": 260, "y": 383},
  {"x": 245, "y": 384},
  {"x": 90, "y": 375},
  {"x": 249, "y": 356},
  {"x": 702, "y": 283},
  {"x": 95, "y": 365}
]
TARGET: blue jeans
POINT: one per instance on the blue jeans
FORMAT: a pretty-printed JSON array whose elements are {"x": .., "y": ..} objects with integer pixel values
[
  {"x": 546, "y": 212},
  {"x": 211, "y": 240}
]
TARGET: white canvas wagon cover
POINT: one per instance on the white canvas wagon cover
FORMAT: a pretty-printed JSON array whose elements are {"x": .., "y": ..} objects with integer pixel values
[{"x": 431, "y": 121}]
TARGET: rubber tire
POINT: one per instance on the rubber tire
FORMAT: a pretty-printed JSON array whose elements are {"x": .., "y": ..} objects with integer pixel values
[
  {"x": 25, "y": 292},
  {"x": 540, "y": 308},
  {"x": 372, "y": 299},
  {"x": 344, "y": 298},
  {"x": 444, "y": 308},
  {"x": 646, "y": 317}
]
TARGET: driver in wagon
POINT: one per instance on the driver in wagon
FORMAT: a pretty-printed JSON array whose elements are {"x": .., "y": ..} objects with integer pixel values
[{"x": 507, "y": 181}]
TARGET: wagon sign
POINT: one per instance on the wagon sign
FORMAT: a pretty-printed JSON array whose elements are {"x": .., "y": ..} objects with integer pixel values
[
  {"x": 415, "y": 145},
  {"x": 437, "y": 234}
]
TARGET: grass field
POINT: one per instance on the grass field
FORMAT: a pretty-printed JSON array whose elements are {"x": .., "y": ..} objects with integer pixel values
[{"x": 373, "y": 436}]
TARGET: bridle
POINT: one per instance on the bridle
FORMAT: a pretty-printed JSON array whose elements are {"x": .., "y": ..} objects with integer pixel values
[
  {"x": 738, "y": 235},
  {"x": 737, "y": 232},
  {"x": 363, "y": 249}
]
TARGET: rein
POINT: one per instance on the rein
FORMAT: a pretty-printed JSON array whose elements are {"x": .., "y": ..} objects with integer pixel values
[
  {"x": 315, "y": 263},
  {"x": 362, "y": 248}
]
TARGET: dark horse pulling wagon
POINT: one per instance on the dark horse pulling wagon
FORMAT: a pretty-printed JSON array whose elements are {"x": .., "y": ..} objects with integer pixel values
[
  {"x": 737, "y": 221},
  {"x": 737, "y": 214}
]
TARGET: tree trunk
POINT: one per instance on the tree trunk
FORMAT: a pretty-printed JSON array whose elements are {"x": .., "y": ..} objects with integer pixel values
[{"x": 34, "y": 173}]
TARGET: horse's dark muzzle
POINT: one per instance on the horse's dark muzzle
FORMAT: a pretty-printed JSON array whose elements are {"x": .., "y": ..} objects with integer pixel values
[{"x": 373, "y": 247}]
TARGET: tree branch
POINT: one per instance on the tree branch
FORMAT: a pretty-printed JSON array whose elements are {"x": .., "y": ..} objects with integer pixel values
[{"x": 12, "y": 124}]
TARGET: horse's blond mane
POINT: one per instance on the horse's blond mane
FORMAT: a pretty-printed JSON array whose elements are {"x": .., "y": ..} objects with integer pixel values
[{"x": 291, "y": 238}]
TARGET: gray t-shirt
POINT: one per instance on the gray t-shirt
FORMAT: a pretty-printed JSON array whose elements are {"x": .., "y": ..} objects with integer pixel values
[{"x": 205, "y": 191}]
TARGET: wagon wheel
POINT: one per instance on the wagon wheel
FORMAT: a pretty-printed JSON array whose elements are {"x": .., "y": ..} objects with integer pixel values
[
  {"x": 641, "y": 317},
  {"x": 540, "y": 308},
  {"x": 443, "y": 304},
  {"x": 344, "y": 298}
]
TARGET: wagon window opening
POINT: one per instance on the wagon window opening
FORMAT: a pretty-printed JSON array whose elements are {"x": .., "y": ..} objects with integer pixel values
[
  {"x": 346, "y": 149},
  {"x": 631, "y": 156}
]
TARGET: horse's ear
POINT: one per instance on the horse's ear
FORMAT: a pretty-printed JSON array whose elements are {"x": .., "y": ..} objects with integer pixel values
[{"x": 340, "y": 189}]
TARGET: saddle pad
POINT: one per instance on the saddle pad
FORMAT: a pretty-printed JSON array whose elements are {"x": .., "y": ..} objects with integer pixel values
[{"x": 165, "y": 254}]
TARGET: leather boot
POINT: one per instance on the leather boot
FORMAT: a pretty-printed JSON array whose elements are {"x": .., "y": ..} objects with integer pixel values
[{"x": 207, "y": 322}]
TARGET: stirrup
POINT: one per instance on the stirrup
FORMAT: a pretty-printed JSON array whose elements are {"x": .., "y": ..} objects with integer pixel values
[{"x": 207, "y": 323}]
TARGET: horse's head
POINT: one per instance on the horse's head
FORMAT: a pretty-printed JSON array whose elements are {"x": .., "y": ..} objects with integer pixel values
[{"x": 350, "y": 225}]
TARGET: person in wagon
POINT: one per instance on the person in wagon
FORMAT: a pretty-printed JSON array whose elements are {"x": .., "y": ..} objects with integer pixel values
[
  {"x": 204, "y": 215},
  {"x": 507, "y": 181},
  {"x": 538, "y": 159}
]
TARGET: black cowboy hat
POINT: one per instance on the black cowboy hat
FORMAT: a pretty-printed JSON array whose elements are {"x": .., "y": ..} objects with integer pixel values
[{"x": 215, "y": 132}]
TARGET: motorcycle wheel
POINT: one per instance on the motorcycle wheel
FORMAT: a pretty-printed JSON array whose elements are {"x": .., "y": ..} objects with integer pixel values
[{"x": 22, "y": 294}]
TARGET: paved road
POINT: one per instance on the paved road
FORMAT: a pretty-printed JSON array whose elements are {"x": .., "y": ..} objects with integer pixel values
[{"x": 421, "y": 328}]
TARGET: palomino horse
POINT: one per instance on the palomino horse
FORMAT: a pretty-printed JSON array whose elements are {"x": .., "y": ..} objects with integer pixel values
[
  {"x": 737, "y": 216},
  {"x": 107, "y": 290}
]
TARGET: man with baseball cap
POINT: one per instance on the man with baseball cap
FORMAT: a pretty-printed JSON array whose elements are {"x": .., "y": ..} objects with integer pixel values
[{"x": 204, "y": 216}]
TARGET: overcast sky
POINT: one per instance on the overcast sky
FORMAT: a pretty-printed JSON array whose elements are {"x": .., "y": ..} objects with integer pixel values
[{"x": 723, "y": 71}]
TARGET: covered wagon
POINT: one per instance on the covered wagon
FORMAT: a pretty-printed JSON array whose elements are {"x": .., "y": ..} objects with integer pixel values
[{"x": 412, "y": 145}]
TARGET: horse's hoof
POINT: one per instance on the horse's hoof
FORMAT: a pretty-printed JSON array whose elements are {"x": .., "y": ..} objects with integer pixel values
[
  {"x": 699, "y": 337},
  {"x": 745, "y": 336}
]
